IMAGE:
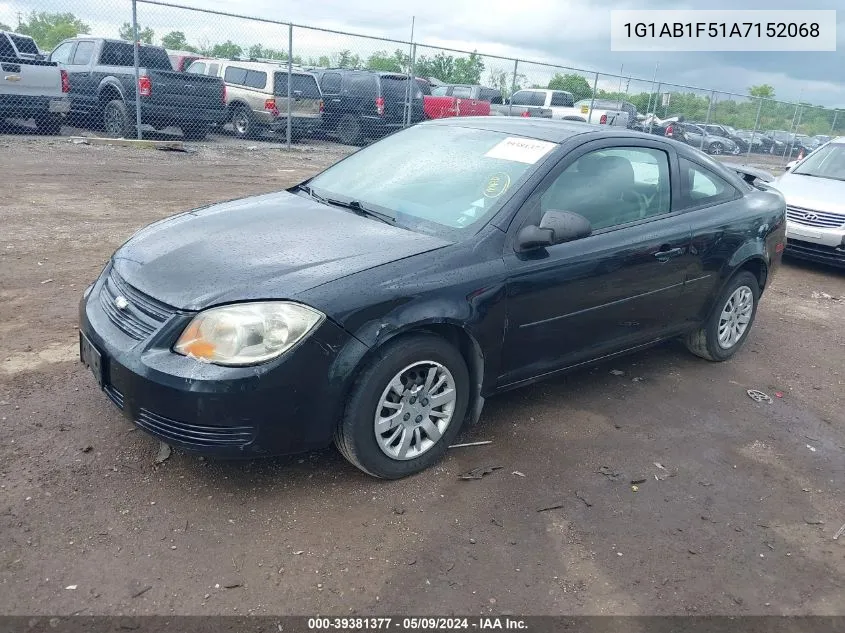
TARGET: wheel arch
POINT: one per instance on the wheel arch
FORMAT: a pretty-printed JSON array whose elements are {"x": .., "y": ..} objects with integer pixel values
[
  {"x": 109, "y": 90},
  {"x": 455, "y": 334}
]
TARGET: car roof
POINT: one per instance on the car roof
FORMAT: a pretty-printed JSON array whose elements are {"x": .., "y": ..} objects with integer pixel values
[{"x": 255, "y": 65}]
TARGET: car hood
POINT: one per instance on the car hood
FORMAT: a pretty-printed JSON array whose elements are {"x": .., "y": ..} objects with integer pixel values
[
  {"x": 266, "y": 247},
  {"x": 807, "y": 192}
]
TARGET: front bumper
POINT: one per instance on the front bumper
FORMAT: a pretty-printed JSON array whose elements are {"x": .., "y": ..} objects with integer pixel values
[
  {"x": 816, "y": 243},
  {"x": 285, "y": 406}
]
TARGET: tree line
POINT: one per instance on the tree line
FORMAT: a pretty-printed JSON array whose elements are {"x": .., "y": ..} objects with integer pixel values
[{"x": 48, "y": 29}]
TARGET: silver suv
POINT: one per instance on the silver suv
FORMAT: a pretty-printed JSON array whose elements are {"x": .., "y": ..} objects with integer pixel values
[{"x": 256, "y": 96}]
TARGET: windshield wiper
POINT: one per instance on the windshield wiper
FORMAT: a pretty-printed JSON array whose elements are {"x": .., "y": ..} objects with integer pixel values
[{"x": 352, "y": 205}]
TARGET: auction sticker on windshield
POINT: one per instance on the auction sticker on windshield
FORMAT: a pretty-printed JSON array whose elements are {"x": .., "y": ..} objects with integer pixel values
[{"x": 521, "y": 150}]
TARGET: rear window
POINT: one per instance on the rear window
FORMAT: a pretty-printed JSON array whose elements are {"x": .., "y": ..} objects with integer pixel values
[
  {"x": 6, "y": 49},
  {"x": 24, "y": 45},
  {"x": 256, "y": 79},
  {"x": 123, "y": 54},
  {"x": 331, "y": 83},
  {"x": 395, "y": 87},
  {"x": 302, "y": 86},
  {"x": 562, "y": 99}
]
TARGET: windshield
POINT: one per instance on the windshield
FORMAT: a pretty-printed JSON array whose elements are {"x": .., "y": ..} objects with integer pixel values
[
  {"x": 438, "y": 179},
  {"x": 825, "y": 162}
]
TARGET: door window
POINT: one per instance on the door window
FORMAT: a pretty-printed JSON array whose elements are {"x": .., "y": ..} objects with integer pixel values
[
  {"x": 529, "y": 98},
  {"x": 462, "y": 92},
  {"x": 610, "y": 187},
  {"x": 82, "y": 56},
  {"x": 62, "y": 53},
  {"x": 562, "y": 99},
  {"x": 197, "y": 68}
]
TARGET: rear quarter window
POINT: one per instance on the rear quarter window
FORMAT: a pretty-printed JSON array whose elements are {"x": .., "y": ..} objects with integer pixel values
[
  {"x": 701, "y": 186},
  {"x": 235, "y": 75},
  {"x": 25, "y": 45},
  {"x": 302, "y": 86},
  {"x": 360, "y": 86}
]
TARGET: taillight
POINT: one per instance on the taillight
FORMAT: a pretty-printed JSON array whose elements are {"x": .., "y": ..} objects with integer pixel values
[
  {"x": 603, "y": 120},
  {"x": 670, "y": 131},
  {"x": 65, "y": 81},
  {"x": 145, "y": 86},
  {"x": 526, "y": 114},
  {"x": 322, "y": 106},
  {"x": 270, "y": 106},
  {"x": 380, "y": 105},
  {"x": 779, "y": 247}
]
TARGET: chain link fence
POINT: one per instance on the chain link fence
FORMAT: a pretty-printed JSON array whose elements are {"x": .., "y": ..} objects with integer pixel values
[{"x": 200, "y": 71}]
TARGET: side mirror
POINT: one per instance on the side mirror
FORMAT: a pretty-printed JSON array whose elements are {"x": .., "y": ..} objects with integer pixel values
[
  {"x": 555, "y": 227},
  {"x": 791, "y": 165}
]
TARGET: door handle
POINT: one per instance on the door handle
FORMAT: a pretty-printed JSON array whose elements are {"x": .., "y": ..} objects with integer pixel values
[
  {"x": 666, "y": 255},
  {"x": 335, "y": 100}
]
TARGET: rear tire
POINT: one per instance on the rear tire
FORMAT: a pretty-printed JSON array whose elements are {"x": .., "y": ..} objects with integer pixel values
[
  {"x": 717, "y": 149},
  {"x": 407, "y": 377},
  {"x": 243, "y": 123},
  {"x": 49, "y": 124},
  {"x": 732, "y": 317},
  {"x": 349, "y": 130},
  {"x": 195, "y": 131},
  {"x": 117, "y": 122}
]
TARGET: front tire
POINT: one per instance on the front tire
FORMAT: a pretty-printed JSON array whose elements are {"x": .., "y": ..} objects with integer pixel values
[
  {"x": 717, "y": 149},
  {"x": 728, "y": 326},
  {"x": 406, "y": 407}
]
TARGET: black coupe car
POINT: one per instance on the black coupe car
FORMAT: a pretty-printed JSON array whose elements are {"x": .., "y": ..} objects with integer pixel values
[{"x": 380, "y": 302}]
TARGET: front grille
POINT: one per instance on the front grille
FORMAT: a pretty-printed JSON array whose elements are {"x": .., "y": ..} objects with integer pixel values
[
  {"x": 142, "y": 315},
  {"x": 114, "y": 395},
  {"x": 808, "y": 217},
  {"x": 195, "y": 434}
]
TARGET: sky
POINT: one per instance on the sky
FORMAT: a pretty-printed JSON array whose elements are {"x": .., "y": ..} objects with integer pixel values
[{"x": 572, "y": 33}]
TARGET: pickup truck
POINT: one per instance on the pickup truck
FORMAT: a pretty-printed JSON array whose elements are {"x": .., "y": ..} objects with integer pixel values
[
  {"x": 563, "y": 106},
  {"x": 31, "y": 88},
  {"x": 103, "y": 91},
  {"x": 462, "y": 100}
]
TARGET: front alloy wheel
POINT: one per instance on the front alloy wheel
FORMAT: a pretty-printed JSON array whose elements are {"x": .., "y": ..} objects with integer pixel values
[
  {"x": 415, "y": 410},
  {"x": 406, "y": 406}
]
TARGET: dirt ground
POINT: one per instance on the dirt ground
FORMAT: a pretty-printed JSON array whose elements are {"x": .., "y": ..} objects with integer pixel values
[{"x": 736, "y": 514}]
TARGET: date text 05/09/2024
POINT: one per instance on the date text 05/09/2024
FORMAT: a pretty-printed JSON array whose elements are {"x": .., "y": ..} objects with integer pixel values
[
  {"x": 355, "y": 624},
  {"x": 722, "y": 29}
]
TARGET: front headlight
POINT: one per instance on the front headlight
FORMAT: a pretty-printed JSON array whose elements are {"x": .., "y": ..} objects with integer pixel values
[{"x": 246, "y": 333}]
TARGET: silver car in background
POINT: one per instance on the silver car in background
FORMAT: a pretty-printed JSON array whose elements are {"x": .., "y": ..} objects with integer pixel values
[{"x": 814, "y": 188}]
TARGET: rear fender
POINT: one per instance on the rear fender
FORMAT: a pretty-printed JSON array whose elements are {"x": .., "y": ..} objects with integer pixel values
[{"x": 107, "y": 85}]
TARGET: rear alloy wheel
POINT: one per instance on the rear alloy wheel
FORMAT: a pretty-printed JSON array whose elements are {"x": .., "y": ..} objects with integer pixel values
[
  {"x": 242, "y": 122},
  {"x": 406, "y": 407},
  {"x": 717, "y": 149},
  {"x": 116, "y": 120},
  {"x": 49, "y": 124},
  {"x": 349, "y": 130},
  {"x": 729, "y": 324}
]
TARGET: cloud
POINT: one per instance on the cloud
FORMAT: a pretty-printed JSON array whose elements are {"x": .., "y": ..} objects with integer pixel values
[{"x": 573, "y": 34}]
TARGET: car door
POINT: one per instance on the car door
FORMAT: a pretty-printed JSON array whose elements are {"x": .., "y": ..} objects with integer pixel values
[
  {"x": 330, "y": 85},
  {"x": 82, "y": 82},
  {"x": 613, "y": 290}
]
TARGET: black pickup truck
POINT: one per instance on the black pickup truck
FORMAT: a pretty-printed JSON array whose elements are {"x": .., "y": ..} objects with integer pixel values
[{"x": 103, "y": 90}]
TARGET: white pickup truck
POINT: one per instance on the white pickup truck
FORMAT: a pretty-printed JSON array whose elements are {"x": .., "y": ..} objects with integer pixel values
[
  {"x": 31, "y": 88},
  {"x": 563, "y": 106}
]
